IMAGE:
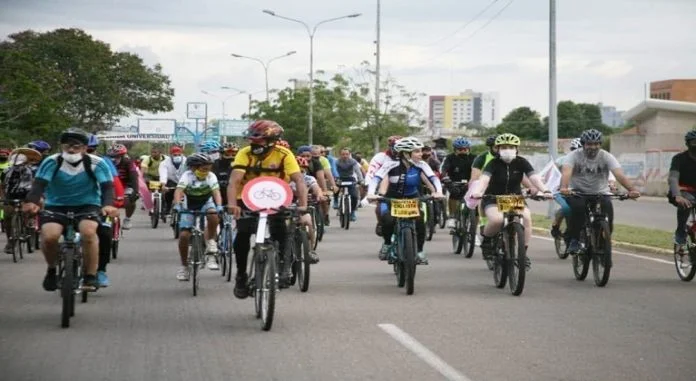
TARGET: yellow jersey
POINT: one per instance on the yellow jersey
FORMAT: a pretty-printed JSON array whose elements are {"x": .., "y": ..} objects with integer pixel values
[{"x": 279, "y": 162}]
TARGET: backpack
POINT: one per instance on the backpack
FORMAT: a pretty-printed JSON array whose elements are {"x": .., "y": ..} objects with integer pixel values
[
  {"x": 18, "y": 181},
  {"x": 86, "y": 162}
]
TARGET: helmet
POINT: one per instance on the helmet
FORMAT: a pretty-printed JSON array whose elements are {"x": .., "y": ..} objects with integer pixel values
[
  {"x": 93, "y": 142},
  {"x": 591, "y": 136},
  {"x": 461, "y": 142},
  {"x": 407, "y": 144},
  {"x": 74, "y": 134},
  {"x": 303, "y": 149},
  {"x": 210, "y": 146},
  {"x": 490, "y": 141},
  {"x": 39, "y": 145},
  {"x": 175, "y": 150},
  {"x": 283, "y": 143},
  {"x": 4, "y": 152},
  {"x": 507, "y": 139},
  {"x": 198, "y": 159},
  {"x": 304, "y": 163},
  {"x": 392, "y": 140},
  {"x": 230, "y": 147},
  {"x": 575, "y": 144},
  {"x": 691, "y": 135},
  {"x": 263, "y": 130},
  {"x": 117, "y": 150}
]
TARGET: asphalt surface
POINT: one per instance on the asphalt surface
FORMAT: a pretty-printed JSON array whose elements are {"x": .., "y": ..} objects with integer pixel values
[
  {"x": 354, "y": 323},
  {"x": 653, "y": 213}
]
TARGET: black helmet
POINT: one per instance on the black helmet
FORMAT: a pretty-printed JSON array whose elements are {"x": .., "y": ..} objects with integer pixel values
[
  {"x": 691, "y": 135},
  {"x": 74, "y": 134},
  {"x": 591, "y": 136},
  {"x": 198, "y": 159},
  {"x": 490, "y": 141}
]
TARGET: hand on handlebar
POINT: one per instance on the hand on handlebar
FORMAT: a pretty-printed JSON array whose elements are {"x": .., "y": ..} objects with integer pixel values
[
  {"x": 683, "y": 202},
  {"x": 633, "y": 194},
  {"x": 110, "y": 211},
  {"x": 438, "y": 195},
  {"x": 30, "y": 208},
  {"x": 235, "y": 210}
]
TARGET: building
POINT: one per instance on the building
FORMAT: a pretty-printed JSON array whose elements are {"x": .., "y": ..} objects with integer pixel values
[
  {"x": 449, "y": 113},
  {"x": 683, "y": 90},
  {"x": 610, "y": 116}
]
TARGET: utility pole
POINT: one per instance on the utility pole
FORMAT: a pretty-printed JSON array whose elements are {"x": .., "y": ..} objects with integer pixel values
[
  {"x": 378, "y": 113},
  {"x": 553, "y": 106}
]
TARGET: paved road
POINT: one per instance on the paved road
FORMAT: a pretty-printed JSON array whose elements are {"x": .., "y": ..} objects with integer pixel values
[
  {"x": 654, "y": 213},
  {"x": 354, "y": 323}
]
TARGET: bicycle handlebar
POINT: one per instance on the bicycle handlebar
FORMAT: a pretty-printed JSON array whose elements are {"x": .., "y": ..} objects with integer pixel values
[{"x": 619, "y": 196}]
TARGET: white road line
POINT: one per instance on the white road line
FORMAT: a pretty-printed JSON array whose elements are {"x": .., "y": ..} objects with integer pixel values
[
  {"x": 619, "y": 252},
  {"x": 424, "y": 353}
]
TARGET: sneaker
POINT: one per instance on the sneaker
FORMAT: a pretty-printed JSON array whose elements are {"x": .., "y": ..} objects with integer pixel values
[
  {"x": 451, "y": 223},
  {"x": 487, "y": 247},
  {"x": 241, "y": 288},
  {"x": 555, "y": 232},
  {"x": 50, "y": 282},
  {"x": 183, "y": 274},
  {"x": 126, "y": 224},
  {"x": 102, "y": 279},
  {"x": 421, "y": 258},
  {"x": 313, "y": 257},
  {"x": 211, "y": 246},
  {"x": 9, "y": 248},
  {"x": 353, "y": 217},
  {"x": 574, "y": 246},
  {"x": 211, "y": 263},
  {"x": 384, "y": 252},
  {"x": 90, "y": 282}
]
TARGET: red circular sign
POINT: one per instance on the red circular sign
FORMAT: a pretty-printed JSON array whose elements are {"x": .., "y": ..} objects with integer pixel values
[{"x": 266, "y": 192}]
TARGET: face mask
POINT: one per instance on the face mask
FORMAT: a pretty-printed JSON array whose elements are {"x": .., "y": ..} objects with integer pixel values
[
  {"x": 201, "y": 174},
  {"x": 507, "y": 155},
  {"x": 72, "y": 158},
  {"x": 177, "y": 159},
  {"x": 215, "y": 156},
  {"x": 591, "y": 152},
  {"x": 258, "y": 149}
]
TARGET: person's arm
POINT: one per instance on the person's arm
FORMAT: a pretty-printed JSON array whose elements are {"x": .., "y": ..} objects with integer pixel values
[
  {"x": 383, "y": 186},
  {"x": 321, "y": 178},
  {"x": 132, "y": 176},
  {"x": 217, "y": 198},
  {"x": 428, "y": 183},
  {"x": 234, "y": 185},
  {"x": 567, "y": 171},
  {"x": 616, "y": 169},
  {"x": 358, "y": 172},
  {"x": 301, "y": 188},
  {"x": 106, "y": 183},
  {"x": 444, "y": 167},
  {"x": 430, "y": 175},
  {"x": 145, "y": 164}
]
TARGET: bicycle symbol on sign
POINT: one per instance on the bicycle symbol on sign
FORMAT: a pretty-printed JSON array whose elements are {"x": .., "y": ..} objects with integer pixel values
[{"x": 267, "y": 193}]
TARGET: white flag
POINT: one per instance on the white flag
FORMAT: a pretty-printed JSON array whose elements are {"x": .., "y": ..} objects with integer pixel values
[{"x": 551, "y": 176}]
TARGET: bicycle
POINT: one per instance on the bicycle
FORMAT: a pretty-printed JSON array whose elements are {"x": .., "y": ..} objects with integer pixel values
[
  {"x": 428, "y": 208},
  {"x": 317, "y": 222},
  {"x": 402, "y": 252},
  {"x": 225, "y": 242},
  {"x": 196, "y": 257},
  {"x": 509, "y": 251},
  {"x": 156, "y": 213},
  {"x": 70, "y": 270},
  {"x": 440, "y": 212},
  {"x": 464, "y": 231},
  {"x": 296, "y": 253},
  {"x": 686, "y": 271},
  {"x": 18, "y": 235},
  {"x": 175, "y": 223},
  {"x": 595, "y": 240},
  {"x": 345, "y": 208}
]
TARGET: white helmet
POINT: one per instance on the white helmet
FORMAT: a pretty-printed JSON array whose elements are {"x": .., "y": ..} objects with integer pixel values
[
  {"x": 575, "y": 144},
  {"x": 407, "y": 144}
]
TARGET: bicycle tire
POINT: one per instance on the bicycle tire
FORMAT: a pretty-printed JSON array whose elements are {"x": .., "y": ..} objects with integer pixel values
[
  {"x": 319, "y": 220},
  {"x": 561, "y": 250},
  {"x": 304, "y": 261},
  {"x": 155, "y": 216},
  {"x": 230, "y": 249},
  {"x": 430, "y": 223},
  {"x": 175, "y": 224},
  {"x": 66, "y": 289},
  {"x": 516, "y": 254},
  {"x": 685, "y": 276},
  {"x": 255, "y": 287},
  {"x": 269, "y": 282},
  {"x": 194, "y": 259},
  {"x": 457, "y": 239},
  {"x": 408, "y": 235},
  {"x": 581, "y": 261},
  {"x": 500, "y": 268},
  {"x": 16, "y": 238},
  {"x": 443, "y": 214},
  {"x": 471, "y": 234},
  {"x": 601, "y": 255}
]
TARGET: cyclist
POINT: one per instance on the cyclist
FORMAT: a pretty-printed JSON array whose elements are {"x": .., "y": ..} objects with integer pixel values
[
  {"x": 503, "y": 175},
  {"x": 149, "y": 165},
  {"x": 376, "y": 163},
  {"x": 43, "y": 148},
  {"x": 170, "y": 172},
  {"x": 587, "y": 171},
  {"x": 682, "y": 186},
  {"x": 261, "y": 158},
  {"x": 118, "y": 153},
  {"x": 223, "y": 166},
  {"x": 15, "y": 184},
  {"x": 456, "y": 167},
  {"x": 402, "y": 178},
  {"x": 318, "y": 153},
  {"x": 564, "y": 211},
  {"x": 202, "y": 192},
  {"x": 316, "y": 169},
  {"x": 72, "y": 181},
  {"x": 4, "y": 158},
  {"x": 349, "y": 170},
  {"x": 431, "y": 160},
  {"x": 312, "y": 187}
]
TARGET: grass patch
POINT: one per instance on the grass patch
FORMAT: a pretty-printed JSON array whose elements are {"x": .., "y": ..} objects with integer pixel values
[{"x": 625, "y": 233}]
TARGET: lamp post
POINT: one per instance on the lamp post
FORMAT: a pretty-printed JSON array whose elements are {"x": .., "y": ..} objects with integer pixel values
[
  {"x": 264, "y": 64},
  {"x": 311, "y": 32}
]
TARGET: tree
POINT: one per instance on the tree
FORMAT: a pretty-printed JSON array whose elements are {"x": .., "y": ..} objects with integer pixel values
[
  {"x": 574, "y": 118},
  {"x": 64, "y": 78},
  {"x": 523, "y": 122}
]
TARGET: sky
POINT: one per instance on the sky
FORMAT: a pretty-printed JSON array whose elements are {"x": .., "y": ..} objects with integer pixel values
[{"x": 607, "y": 50}]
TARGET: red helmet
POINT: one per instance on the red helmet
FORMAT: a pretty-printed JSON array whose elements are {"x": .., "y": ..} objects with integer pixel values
[
  {"x": 175, "y": 150},
  {"x": 117, "y": 150},
  {"x": 4, "y": 152},
  {"x": 262, "y": 131},
  {"x": 304, "y": 163},
  {"x": 392, "y": 139},
  {"x": 283, "y": 143}
]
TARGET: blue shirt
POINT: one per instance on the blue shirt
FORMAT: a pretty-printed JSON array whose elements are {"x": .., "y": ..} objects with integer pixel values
[
  {"x": 334, "y": 168},
  {"x": 72, "y": 186}
]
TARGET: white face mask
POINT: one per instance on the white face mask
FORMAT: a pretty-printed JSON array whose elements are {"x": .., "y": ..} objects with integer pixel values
[
  {"x": 72, "y": 157},
  {"x": 177, "y": 159},
  {"x": 215, "y": 155},
  {"x": 507, "y": 155}
]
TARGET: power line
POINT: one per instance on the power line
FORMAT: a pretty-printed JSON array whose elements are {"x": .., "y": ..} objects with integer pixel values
[{"x": 464, "y": 25}]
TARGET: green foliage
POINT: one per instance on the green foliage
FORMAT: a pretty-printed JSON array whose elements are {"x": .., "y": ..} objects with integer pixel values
[
  {"x": 523, "y": 122},
  {"x": 53, "y": 80}
]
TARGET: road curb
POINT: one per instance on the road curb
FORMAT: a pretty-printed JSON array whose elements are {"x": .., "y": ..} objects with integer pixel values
[{"x": 623, "y": 245}]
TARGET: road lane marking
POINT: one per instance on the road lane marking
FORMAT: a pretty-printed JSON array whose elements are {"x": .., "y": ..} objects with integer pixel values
[
  {"x": 423, "y": 353},
  {"x": 619, "y": 252}
]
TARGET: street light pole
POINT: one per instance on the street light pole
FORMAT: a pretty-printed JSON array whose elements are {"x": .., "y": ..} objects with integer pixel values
[
  {"x": 265, "y": 65},
  {"x": 311, "y": 32},
  {"x": 378, "y": 119}
]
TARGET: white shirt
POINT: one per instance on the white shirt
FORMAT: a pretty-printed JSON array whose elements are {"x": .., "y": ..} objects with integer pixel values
[{"x": 167, "y": 170}]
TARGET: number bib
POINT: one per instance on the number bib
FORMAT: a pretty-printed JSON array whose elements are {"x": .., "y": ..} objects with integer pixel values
[
  {"x": 406, "y": 208},
  {"x": 154, "y": 185},
  {"x": 510, "y": 203}
]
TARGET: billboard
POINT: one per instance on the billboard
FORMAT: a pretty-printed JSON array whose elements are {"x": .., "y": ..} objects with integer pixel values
[
  {"x": 197, "y": 110},
  {"x": 156, "y": 126},
  {"x": 230, "y": 127}
]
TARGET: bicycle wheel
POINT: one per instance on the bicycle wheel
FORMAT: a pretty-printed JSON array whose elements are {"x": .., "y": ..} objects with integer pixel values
[
  {"x": 345, "y": 212},
  {"x": 409, "y": 258},
  {"x": 457, "y": 235},
  {"x": 256, "y": 271},
  {"x": 17, "y": 237},
  {"x": 499, "y": 262},
  {"x": 302, "y": 262},
  {"x": 319, "y": 225},
  {"x": 116, "y": 226},
  {"x": 194, "y": 259},
  {"x": 581, "y": 260},
  {"x": 516, "y": 254},
  {"x": 268, "y": 290},
  {"x": 79, "y": 271},
  {"x": 443, "y": 214},
  {"x": 66, "y": 289},
  {"x": 155, "y": 216},
  {"x": 560, "y": 245},
  {"x": 685, "y": 263},
  {"x": 175, "y": 224},
  {"x": 230, "y": 248},
  {"x": 471, "y": 234},
  {"x": 601, "y": 255},
  {"x": 430, "y": 221}
]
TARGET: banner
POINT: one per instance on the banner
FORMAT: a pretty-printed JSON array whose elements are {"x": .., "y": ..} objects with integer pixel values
[{"x": 551, "y": 176}]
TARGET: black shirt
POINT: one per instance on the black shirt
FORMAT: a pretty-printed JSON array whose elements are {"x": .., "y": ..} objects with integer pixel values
[
  {"x": 686, "y": 166},
  {"x": 222, "y": 168},
  {"x": 457, "y": 167},
  {"x": 507, "y": 178}
]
